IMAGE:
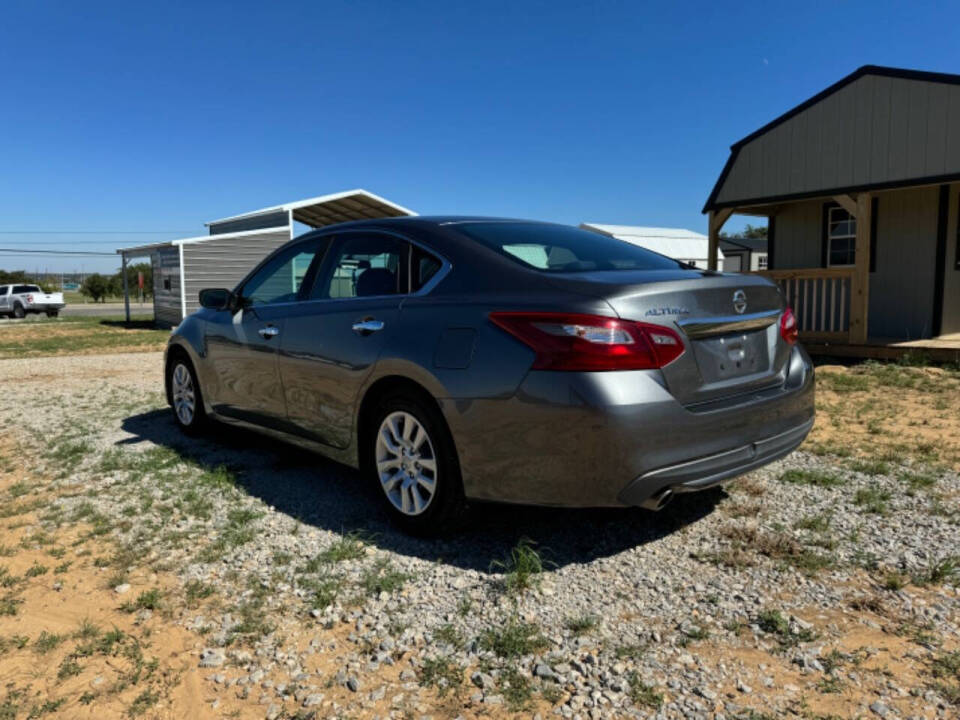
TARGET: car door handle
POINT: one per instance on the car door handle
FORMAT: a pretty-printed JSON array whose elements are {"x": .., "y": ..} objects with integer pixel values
[
  {"x": 268, "y": 332},
  {"x": 365, "y": 327}
]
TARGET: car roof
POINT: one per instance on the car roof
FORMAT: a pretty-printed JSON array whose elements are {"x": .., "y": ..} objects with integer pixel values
[{"x": 429, "y": 220}]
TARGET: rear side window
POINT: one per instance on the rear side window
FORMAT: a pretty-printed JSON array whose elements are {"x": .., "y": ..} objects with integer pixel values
[
  {"x": 563, "y": 249},
  {"x": 364, "y": 266},
  {"x": 3, "y": 289},
  {"x": 18, "y": 289},
  {"x": 423, "y": 267}
]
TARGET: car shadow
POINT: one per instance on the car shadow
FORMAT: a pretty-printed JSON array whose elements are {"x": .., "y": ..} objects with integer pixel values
[{"x": 327, "y": 495}]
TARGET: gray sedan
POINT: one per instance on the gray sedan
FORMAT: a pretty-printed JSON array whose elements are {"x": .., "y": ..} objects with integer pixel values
[{"x": 457, "y": 359}]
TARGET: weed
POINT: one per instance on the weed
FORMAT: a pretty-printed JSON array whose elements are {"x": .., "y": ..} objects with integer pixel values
[
  {"x": 829, "y": 684},
  {"x": 513, "y": 639},
  {"x": 449, "y": 635},
  {"x": 36, "y": 570},
  {"x": 197, "y": 590},
  {"x": 69, "y": 668},
  {"x": 143, "y": 702},
  {"x": 443, "y": 674},
  {"x": 521, "y": 568},
  {"x": 843, "y": 382},
  {"x": 552, "y": 693},
  {"x": 62, "y": 568},
  {"x": 815, "y": 523},
  {"x": 47, "y": 642},
  {"x": 939, "y": 571},
  {"x": 870, "y": 467},
  {"x": 515, "y": 687},
  {"x": 382, "y": 577},
  {"x": 464, "y": 606},
  {"x": 873, "y": 500},
  {"x": 774, "y": 623},
  {"x": 917, "y": 481},
  {"x": 642, "y": 694},
  {"x": 88, "y": 630},
  {"x": 894, "y": 581},
  {"x": 631, "y": 651},
  {"x": 9, "y": 604},
  {"x": 817, "y": 478},
  {"x": 582, "y": 624},
  {"x": 347, "y": 547},
  {"x": 147, "y": 600}
]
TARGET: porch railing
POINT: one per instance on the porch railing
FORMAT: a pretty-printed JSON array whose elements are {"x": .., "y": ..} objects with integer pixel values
[{"x": 820, "y": 298}]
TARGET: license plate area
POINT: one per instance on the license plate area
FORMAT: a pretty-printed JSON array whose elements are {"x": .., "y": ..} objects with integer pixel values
[{"x": 734, "y": 355}]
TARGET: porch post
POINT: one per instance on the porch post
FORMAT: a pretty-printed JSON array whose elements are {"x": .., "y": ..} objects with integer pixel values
[
  {"x": 860, "y": 283},
  {"x": 126, "y": 290},
  {"x": 715, "y": 221}
]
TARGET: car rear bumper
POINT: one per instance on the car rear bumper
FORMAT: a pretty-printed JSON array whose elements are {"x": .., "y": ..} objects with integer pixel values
[{"x": 615, "y": 439}]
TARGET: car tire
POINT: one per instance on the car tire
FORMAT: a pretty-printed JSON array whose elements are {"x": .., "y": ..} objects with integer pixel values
[
  {"x": 18, "y": 311},
  {"x": 406, "y": 462},
  {"x": 186, "y": 398}
]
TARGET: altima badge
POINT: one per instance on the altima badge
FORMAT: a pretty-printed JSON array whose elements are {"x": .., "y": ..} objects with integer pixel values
[{"x": 740, "y": 302}]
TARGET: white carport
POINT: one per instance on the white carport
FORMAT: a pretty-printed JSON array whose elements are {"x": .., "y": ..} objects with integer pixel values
[
  {"x": 234, "y": 246},
  {"x": 678, "y": 243}
]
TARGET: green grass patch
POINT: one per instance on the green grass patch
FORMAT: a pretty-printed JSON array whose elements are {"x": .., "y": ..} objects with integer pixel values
[
  {"x": 382, "y": 577},
  {"x": 642, "y": 694},
  {"x": 873, "y": 500},
  {"x": 513, "y": 639},
  {"x": 522, "y": 567},
  {"x": 441, "y": 674},
  {"x": 582, "y": 624},
  {"x": 817, "y": 478}
]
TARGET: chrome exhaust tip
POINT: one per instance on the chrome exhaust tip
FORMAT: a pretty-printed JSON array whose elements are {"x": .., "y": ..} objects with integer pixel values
[{"x": 658, "y": 501}]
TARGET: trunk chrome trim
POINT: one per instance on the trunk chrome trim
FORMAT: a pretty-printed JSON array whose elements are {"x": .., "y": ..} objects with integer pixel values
[{"x": 696, "y": 328}]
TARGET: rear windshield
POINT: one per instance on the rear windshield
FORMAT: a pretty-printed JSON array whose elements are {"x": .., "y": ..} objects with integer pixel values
[{"x": 563, "y": 249}]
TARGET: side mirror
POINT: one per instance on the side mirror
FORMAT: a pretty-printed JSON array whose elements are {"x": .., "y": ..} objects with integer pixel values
[{"x": 217, "y": 298}]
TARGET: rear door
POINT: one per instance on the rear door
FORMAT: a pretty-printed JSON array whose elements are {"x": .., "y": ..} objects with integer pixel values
[
  {"x": 242, "y": 347},
  {"x": 331, "y": 343},
  {"x": 4, "y": 298}
]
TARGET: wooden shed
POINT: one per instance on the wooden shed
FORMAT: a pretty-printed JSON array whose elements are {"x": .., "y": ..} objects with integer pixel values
[
  {"x": 234, "y": 246},
  {"x": 861, "y": 188}
]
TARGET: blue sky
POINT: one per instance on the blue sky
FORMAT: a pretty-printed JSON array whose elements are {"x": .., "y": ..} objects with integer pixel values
[{"x": 157, "y": 117}]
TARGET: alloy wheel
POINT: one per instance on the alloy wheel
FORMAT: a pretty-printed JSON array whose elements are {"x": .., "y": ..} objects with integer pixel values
[
  {"x": 184, "y": 397},
  {"x": 406, "y": 463}
]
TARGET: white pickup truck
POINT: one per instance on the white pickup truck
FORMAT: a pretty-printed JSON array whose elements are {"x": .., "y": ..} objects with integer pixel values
[{"x": 18, "y": 300}]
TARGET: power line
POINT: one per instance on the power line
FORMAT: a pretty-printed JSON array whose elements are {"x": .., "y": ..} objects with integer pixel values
[
  {"x": 95, "y": 232},
  {"x": 16, "y": 251}
]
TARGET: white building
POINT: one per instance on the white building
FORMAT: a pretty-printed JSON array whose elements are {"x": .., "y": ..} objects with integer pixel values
[{"x": 677, "y": 243}]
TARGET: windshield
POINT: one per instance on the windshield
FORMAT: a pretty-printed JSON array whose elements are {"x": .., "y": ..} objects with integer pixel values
[{"x": 563, "y": 249}]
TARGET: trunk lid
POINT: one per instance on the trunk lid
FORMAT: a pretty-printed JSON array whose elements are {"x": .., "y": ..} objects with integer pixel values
[{"x": 729, "y": 324}]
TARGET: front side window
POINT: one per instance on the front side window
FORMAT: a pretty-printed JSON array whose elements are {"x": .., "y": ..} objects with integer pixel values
[
  {"x": 563, "y": 249},
  {"x": 841, "y": 237},
  {"x": 281, "y": 278},
  {"x": 364, "y": 266}
]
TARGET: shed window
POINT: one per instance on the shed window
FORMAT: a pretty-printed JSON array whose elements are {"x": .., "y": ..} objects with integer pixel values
[{"x": 841, "y": 237}]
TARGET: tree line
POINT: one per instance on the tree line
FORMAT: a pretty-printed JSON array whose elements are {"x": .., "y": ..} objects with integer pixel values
[{"x": 96, "y": 286}]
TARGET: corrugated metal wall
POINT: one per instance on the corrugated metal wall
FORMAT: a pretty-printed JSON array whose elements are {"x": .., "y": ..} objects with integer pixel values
[
  {"x": 875, "y": 130},
  {"x": 223, "y": 263},
  {"x": 901, "y": 288},
  {"x": 951, "y": 284},
  {"x": 166, "y": 286}
]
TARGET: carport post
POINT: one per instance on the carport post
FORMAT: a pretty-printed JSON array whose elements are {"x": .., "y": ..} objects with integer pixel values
[{"x": 126, "y": 290}]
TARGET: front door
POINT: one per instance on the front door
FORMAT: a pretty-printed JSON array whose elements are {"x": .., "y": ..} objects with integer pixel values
[
  {"x": 331, "y": 342},
  {"x": 243, "y": 346}
]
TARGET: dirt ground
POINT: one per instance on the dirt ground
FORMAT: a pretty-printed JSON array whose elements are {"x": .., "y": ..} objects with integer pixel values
[{"x": 71, "y": 646}]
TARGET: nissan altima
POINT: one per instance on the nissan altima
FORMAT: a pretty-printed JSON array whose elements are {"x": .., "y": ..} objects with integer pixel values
[{"x": 456, "y": 359}]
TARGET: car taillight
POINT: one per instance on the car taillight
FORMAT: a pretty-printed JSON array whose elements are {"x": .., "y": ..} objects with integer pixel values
[
  {"x": 29, "y": 298},
  {"x": 569, "y": 341},
  {"x": 788, "y": 327}
]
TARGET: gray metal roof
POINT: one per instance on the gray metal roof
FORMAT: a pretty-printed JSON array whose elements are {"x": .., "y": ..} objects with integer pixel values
[
  {"x": 329, "y": 209},
  {"x": 876, "y": 128}
]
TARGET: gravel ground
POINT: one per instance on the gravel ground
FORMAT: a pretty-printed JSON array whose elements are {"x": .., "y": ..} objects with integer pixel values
[{"x": 784, "y": 593}]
